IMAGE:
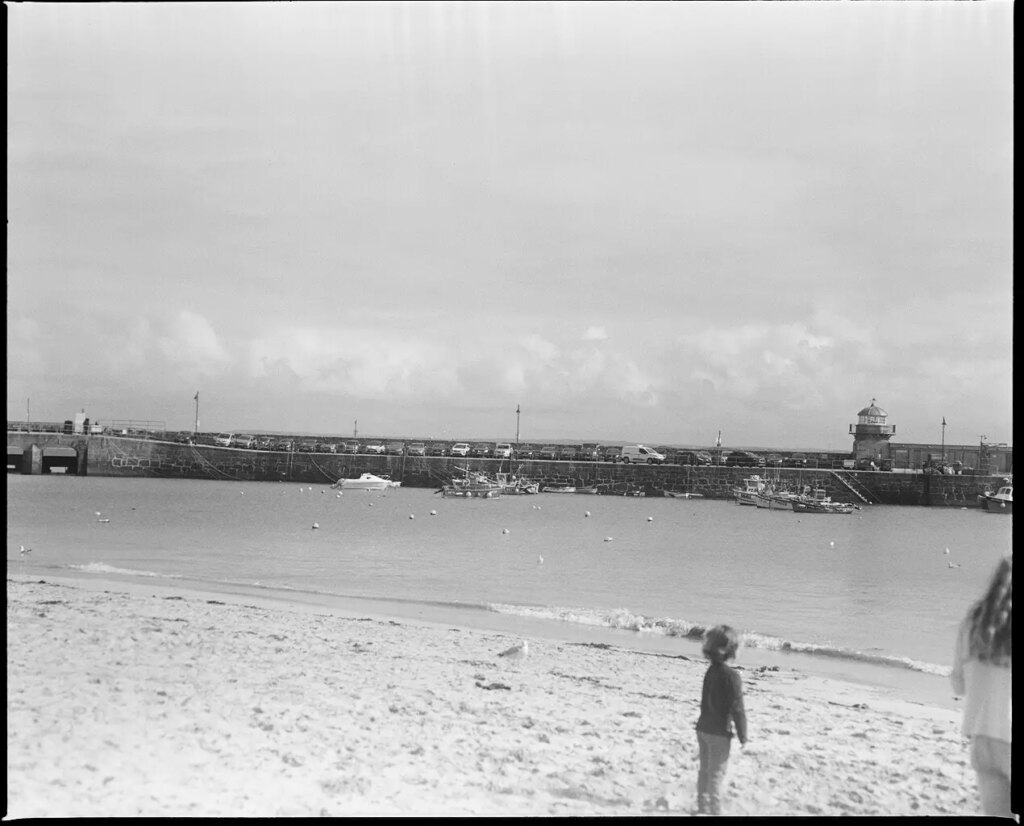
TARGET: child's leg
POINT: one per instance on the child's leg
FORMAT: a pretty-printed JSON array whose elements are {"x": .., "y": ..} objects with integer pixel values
[
  {"x": 717, "y": 762},
  {"x": 991, "y": 760},
  {"x": 702, "y": 774}
]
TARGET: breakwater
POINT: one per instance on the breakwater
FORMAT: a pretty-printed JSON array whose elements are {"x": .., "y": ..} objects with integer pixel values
[{"x": 102, "y": 455}]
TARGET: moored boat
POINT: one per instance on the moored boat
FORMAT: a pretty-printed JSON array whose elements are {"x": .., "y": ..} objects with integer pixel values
[
  {"x": 999, "y": 502},
  {"x": 680, "y": 494},
  {"x": 516, "y": 485},
  {"x": 472, "y": 485},
  {"x": 752, "y": 486},
  {"x": 366, "y": 481},
  {"x": 775, "y": 500},
  {"x": 818, "y": 502},
  {"x": 558, "y": 489}
]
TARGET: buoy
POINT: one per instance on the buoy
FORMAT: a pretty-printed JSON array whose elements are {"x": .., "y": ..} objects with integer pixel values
[
  {"x": 337, "y": 495},
  {"x": 433, "y": 513},
  {"x": 371, "y": 504},
  {"x": 241, "y": 492},
  {"x": 587, "y": 513},
  {"x": 947, "y": 550},
  {"x": 411, "y": 516},
  {"x": 504, "y": 530},
  {"x": 650, "y": 518},
  {"x": 315, "y": 526},
  {"x": 831, "y": 544},
  {"x": 540, "y": 560},
  {"x": 607, "y": 539}
]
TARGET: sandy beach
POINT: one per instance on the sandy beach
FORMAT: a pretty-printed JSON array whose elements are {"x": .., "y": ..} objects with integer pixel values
[{"x": 129, "y": 700}]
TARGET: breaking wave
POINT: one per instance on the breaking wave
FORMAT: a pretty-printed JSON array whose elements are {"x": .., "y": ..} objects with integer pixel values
[{"x": 623, "y": 619}]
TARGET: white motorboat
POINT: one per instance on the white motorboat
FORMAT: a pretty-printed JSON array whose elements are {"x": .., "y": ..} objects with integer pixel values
[
  {"x": 367, "y": 481},
  {"x": 999, "y": 502}
]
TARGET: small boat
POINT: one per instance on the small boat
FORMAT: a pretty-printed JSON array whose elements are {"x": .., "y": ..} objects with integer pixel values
[
  {"x": 516, "y": 485},
  {"x": 473, "y": 485},
  {"x": 367, "y": 481},
  {"x": 591, "y": 490},
  {"x": 678, "y": 494},
  {"x": 752, "y": 486},
  {"x": 775, "y": 500},
  {"x": 818, "y": 502},
  {"x": 558, "y": 489},
  {"x": 999, "y": 502}
]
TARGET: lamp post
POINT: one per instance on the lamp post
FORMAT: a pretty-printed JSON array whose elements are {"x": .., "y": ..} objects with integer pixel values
[
  {"x": 517, "y": 428},
  {"x": 943, "y": 441},
  {"x": 196, "y": 431}
]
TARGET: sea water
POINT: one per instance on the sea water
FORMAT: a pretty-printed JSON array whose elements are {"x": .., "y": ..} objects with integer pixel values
[{"x": 885, "y": 585}]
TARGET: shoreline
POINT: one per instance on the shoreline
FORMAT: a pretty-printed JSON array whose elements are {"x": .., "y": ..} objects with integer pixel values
[
  {"x": 129, "y": 698},
  {"x": 900, "y": 683}
]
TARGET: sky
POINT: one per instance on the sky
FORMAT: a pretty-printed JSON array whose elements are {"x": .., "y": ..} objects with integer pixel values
[{"x": 633, "y": 221}]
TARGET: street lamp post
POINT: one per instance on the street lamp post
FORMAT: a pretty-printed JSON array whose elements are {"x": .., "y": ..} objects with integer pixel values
[
  {"x": 517, "y": 428},
  {"x": 196, "y": 432},
  {"x": 943, "y": 441}
]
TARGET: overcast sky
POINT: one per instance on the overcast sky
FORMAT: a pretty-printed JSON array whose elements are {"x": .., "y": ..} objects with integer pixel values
[{"x": 638, "y": 221}]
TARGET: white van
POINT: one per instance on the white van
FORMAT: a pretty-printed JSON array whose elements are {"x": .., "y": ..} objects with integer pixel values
[
  {"x": 503, "y": 450},
  {"x": 640, "y": 453}
]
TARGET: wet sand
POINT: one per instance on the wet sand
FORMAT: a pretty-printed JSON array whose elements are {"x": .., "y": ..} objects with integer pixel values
[{"x": 127, "y": 700}]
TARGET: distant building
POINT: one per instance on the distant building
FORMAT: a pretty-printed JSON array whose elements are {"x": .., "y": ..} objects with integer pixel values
[{"x": 872, "y": 442}]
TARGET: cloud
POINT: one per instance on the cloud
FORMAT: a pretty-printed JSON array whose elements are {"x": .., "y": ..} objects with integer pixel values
[{"x": 191, "y": 344}]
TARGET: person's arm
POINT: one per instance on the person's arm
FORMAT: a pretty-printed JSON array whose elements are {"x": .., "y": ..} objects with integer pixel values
[
  {"x": 739, "y": 714},
  {"x": 956, "y": 676}
]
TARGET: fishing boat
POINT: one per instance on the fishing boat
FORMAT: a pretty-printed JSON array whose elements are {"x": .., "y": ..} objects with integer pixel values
[
  {"x": 818, "y": 502},
  {"x": 775, "y": 500},
  {"x": 558, "y": 489},
  {"x": 590, "y": 489},
  {"x": 512, "y": 485},
  {"x": 366, "y": 481},
  {"x": 752, "y": 486},
  {"x": 472, "y": 485},
  {"x": 679, "y": 494},
  {"x": 999, "y": 502}
]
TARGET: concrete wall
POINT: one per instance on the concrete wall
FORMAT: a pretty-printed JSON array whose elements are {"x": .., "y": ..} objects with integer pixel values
[{"x": 123, "y": 456}]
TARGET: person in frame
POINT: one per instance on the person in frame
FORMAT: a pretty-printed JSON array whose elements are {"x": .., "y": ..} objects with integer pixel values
[
  {"x": 721, "y": 713},
  {"x": 982, "y": 674}
]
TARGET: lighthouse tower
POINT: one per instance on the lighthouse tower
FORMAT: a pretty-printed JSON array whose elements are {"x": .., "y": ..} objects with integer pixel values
[{"x": 871, "y": 434}]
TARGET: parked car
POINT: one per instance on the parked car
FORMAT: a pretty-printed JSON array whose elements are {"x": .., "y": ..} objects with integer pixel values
[
  {"x": 375, "y": 447},
  {"x": 589, "y": 452},
  {"x": 693, "y": 457},
  {"x": 642, "y": 454},
  {"x": 528, "y": 451},
  {"x": 548, "y": 452},
  {"x": 394, "y": 448},
  {"x": 349, "y": 447},
  {"x": 480, "y": 450},
  {"x": 568, "y": 453},
  {"x": 611, "y": 453},
  {"x": 795, "y": 460},
  {"x": 437, "y": 449},
  {"x": 264, "y": 443},
  {"x": 417, "y": 449},
  {"x": 243, "y": 441},
  {"x": 283, "y": 445},
  {"x": 743, "y": 458},
  {"x": 223, "y": 439},
  {"x": 307, "y": 446},
  {"x": 326, "y": 447},
  {"x": 502, "y": 450},
  {"x": 460, "y": 449}
]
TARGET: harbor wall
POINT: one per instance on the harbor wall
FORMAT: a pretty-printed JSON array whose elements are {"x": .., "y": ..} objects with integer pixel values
[{"x": 103, "y": 455}]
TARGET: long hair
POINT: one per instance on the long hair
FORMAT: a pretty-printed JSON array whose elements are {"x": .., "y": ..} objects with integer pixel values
[
  {"x": 990, "y": 619},
  {"x": 720, "y": 643}
]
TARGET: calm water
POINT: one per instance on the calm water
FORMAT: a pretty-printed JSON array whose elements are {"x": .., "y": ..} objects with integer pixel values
[{"x": 874, "y": 586}]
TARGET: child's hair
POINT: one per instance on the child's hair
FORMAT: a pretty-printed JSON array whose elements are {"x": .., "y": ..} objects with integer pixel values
[
  {"x": 720, "y": 643},
  {"x": 990, "y": 619}
]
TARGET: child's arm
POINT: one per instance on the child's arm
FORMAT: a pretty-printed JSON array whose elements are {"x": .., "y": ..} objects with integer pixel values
[
  {"x": 739, "y": 714},
  {"x": 956, "y": 676}
]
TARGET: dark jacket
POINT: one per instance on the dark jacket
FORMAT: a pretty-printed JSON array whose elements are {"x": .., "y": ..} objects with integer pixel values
[{"x": 721, "y": 703}]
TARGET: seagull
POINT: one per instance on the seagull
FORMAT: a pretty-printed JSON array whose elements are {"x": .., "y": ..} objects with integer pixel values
[
  {"x": 516, "y": 653},
  {"x": 540, "y": 559},
  {"x": 952, "y": 565},
  {"x": 946, "y": 551},
  {"x": 25, "y": 550}
]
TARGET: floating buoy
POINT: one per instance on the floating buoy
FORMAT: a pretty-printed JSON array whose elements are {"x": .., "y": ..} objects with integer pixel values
[
  {"x": 586, "y": 513},
  {"x": 102, "y": 520},
  {"x": 315, "y": 526},
  {"x": 504, "y": 530},
  {"x": 607, "y": 539},
  {"x": 831, "y": 544},
  {"x": 946, "y": 551},
  {"x": 242, "y": 493},
  {"x": 412, "y": 516},
  {"x": 540, "y": 560},
  {"x": 433, "y": 513},
  {"x": 337, "y": 495},
  {"x": 650, "y": 518},
  {"x": 371, "y": 504}
]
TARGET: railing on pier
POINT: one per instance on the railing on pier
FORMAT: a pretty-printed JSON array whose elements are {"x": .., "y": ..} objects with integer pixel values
[{"x": 855, "y": 487}]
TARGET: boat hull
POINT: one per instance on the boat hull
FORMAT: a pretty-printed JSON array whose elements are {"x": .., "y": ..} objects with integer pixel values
[{"x": 994, "y": 505}]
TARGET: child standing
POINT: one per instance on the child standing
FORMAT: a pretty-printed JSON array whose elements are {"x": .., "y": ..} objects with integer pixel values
[
  {"x": 721, "y": 708},
  {"x": 983, "y": 674}
]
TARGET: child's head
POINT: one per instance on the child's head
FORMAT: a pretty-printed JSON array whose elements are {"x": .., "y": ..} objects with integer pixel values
[
  {"x": 991, "y": 618},
  {"x": 720, "y": 643}
]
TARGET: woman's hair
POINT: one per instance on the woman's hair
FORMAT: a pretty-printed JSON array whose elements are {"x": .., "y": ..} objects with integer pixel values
[
  {"x": 990, "y": 619},
  {"x": 720, "y": 643}
]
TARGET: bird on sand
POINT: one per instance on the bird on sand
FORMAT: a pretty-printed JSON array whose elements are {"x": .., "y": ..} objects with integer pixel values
[{"x": 517, "y": 653}]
